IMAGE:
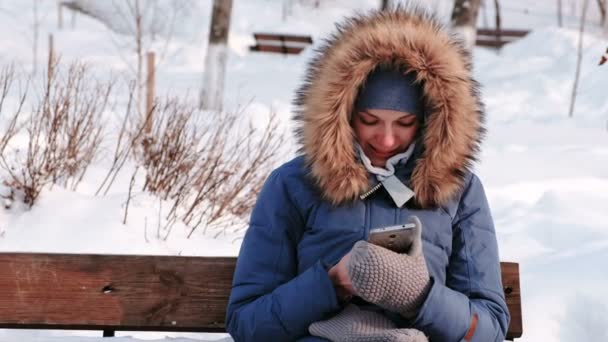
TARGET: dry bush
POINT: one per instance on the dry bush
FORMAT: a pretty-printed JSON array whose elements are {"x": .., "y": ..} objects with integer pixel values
[
  {"x": 7, "y": 77},
  {"x": 209, "y": 168},
  {"x": 129, "y": 138},
  {"x": 64, "y": 132}
]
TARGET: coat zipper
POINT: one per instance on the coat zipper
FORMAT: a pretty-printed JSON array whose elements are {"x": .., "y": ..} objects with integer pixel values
[{"x": 371, "y": 191}]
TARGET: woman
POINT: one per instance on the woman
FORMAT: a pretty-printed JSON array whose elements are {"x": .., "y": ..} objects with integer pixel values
[{"x": 365, "y": 166}]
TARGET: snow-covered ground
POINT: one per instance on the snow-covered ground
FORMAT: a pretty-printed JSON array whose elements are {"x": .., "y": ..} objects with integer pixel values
[{"x": 546, "y": 175}]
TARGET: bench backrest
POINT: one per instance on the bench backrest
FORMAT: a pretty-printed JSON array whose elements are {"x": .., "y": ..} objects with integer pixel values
[
  {"x": 498, "y": 38},
  {"x": 129, "y": 292},
  {"x": 280, "y": 43}
]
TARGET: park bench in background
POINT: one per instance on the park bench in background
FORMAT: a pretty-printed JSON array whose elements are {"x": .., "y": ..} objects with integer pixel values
[
  {"x": 497, "y": 38},
  {"x": 280, "y": 43},
  {"x": 137, "y": 293}
]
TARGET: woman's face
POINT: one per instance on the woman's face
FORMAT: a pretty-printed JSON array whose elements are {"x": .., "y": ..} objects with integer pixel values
[{"x": 382, "y": 133}]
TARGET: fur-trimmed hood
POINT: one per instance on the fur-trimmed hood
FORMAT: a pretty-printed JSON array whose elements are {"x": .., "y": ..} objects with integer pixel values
[{"x": 453, "y": 126}]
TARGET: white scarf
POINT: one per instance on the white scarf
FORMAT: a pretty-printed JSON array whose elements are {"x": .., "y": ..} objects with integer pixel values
[{"x": 398, "y": 191}]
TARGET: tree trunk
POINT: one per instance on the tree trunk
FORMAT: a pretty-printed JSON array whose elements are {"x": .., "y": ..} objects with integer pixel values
[
  {"x": 464, "y": 20},
  {"x": 139, "y": 33},
  {"x": 36, "y": 28},
  {"x": 602, "y": 6},
  {"x": 498, "y": 21},
  {"x": 212, "y": 93},
  {"x": 579, "y": 58}
]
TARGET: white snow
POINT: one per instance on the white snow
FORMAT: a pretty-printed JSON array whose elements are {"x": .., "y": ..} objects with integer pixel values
[{"x": 546, "y": 175}]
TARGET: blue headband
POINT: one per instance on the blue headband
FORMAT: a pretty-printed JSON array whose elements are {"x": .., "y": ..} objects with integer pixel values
[{"x": 390, "y": 89}]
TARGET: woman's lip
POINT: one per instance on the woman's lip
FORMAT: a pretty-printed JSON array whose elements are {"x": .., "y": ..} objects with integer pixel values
[{"x": 381, "y": 154}]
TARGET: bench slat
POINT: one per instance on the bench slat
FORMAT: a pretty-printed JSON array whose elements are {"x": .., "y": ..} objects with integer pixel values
[
  {"x": 503, "y": 32},
  {"x": 292, "y": 50},
  {"x": 491, "y": 42},
  {"x": 282, "y": 37},
  {"x": 129, "y": 292},
  {"x": 511, "y": 286},
  {"x": 114, "y": 292}
]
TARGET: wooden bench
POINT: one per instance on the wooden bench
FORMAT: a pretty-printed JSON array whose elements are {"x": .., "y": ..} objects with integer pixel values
[
  {"x": 497, "y": 38},
  {"x": 280, "y": 43},
  {"x": 137, "y": 293}
]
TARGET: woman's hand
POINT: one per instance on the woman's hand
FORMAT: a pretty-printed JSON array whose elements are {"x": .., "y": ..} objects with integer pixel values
[
  {"x": 341, "y": 280},
  {"x": 394, "y": 281}
]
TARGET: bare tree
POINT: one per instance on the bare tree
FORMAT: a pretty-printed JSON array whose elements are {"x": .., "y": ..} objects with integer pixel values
[
  {"x": 602, "y": 5},
  {"x": 212, "y": 92},
  {"x": 498, "y": 21},
  {"x": 144, "y": 23},
  {"x": 136, "y": 15},
  {"x": 578, "y": 58},
  {"x": 36, "y": 31},
  {"x": 464, "y": 20},
  {"x": 7, "y": 77}
]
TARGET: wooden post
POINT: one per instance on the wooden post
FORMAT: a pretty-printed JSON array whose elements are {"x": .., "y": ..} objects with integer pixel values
[
  {"x": 579, "y": 58},
  {"x": 498, "y": 25},
  {"x": 51, "y": 58},
  {"x": 150, "y": 80}
]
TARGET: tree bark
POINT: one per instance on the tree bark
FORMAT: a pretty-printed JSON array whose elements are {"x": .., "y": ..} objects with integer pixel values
[
  {"x": 602, "y": 5},
  {"x": 498, "y": 21},
  {"x": 464, "y": 20},
  {"x": 579, "y": 58},
  {"x": 36, "y": 27},
  {"x": 212, "y": 93}
]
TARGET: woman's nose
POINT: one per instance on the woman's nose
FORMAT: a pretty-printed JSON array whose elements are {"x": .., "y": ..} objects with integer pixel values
[{"x": 387, "y": 139}]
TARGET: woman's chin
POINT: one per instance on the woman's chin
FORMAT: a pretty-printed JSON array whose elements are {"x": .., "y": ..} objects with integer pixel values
[{"x": 378, "y": 162}]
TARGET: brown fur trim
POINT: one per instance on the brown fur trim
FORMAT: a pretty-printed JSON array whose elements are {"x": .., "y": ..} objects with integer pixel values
[{"x": 454, "y": 122}]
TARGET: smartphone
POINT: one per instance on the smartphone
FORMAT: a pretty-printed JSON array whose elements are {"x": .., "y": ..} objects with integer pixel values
[{"x": 397, "y": 238}]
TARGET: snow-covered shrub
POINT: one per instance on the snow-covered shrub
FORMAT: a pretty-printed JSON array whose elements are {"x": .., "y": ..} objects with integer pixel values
[
  {"x": 62, "y": 133},
  {"x": 7, "y": 132},
  {"x": 211, "y": 167}
]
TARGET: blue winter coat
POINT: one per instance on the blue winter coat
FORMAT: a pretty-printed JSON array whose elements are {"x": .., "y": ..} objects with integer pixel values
[
  {"x": 281, "y": 284},
  {"x": 309, "y": 213}
]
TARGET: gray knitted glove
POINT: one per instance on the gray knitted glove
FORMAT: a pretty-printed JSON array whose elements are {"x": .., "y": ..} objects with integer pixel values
[
  {"x": 356, "y": 325},
  {"x": 393, "y": 281}
]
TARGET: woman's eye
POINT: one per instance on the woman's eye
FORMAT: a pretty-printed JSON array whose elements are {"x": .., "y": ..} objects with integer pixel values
[
  {"x": 368, "y": 122},
  {"x": 406, "y": 124}
]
